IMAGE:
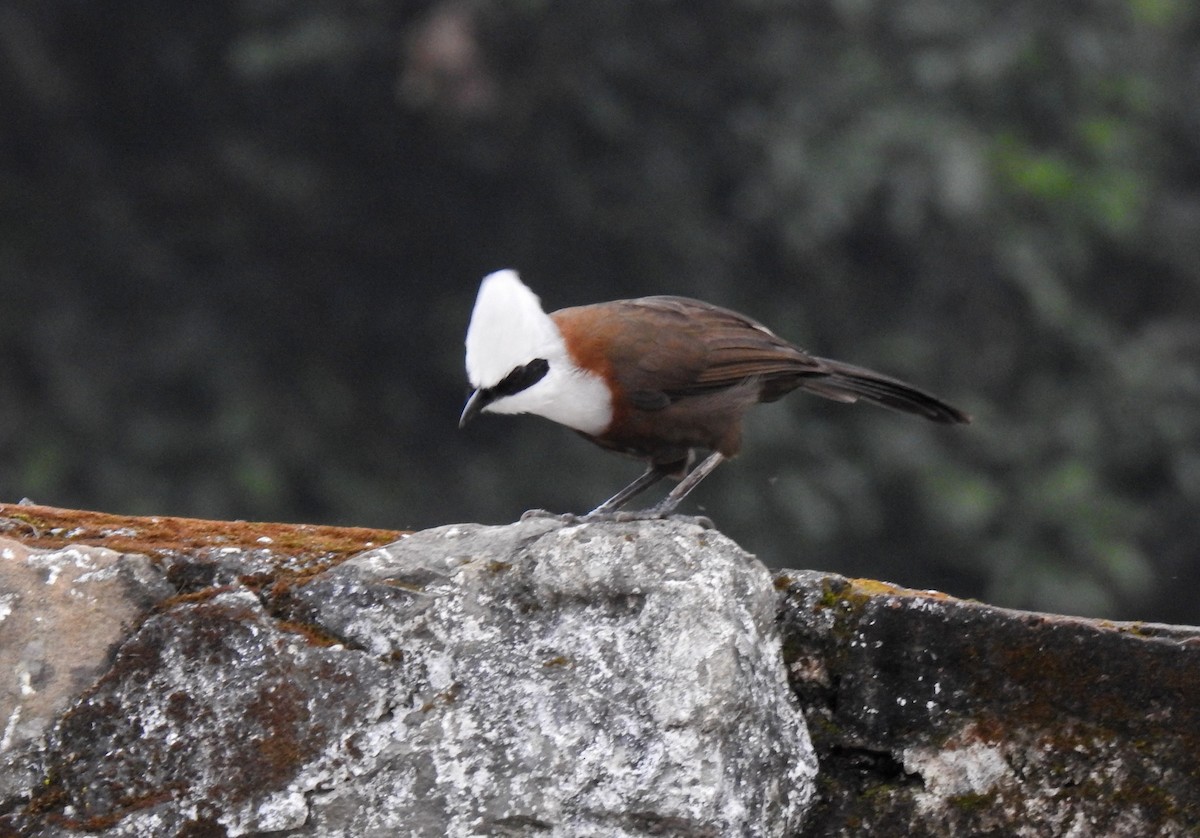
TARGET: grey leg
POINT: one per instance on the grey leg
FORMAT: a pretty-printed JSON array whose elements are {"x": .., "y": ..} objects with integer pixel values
[
  {"x": 648, "y": 479},
  {"x": 667, "y": 505}
]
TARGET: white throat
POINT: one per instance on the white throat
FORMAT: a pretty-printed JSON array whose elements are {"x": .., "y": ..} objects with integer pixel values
[{"x": 508, "y": 330}]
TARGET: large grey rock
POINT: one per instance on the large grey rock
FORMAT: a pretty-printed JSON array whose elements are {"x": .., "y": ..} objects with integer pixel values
[
  {"x": 600, "y": 680},
  {"x": 608, "y": 680}
]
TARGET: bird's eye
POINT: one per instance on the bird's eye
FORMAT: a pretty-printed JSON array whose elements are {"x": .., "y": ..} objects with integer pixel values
[{"x": 522, "y": 378}]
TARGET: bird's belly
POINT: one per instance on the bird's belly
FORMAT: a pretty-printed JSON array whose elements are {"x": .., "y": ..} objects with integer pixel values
[{"x": 668, "y": 436}]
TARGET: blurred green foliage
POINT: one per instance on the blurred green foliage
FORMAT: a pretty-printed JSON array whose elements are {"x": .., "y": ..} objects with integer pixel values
[{"x": 240, "y": 242}]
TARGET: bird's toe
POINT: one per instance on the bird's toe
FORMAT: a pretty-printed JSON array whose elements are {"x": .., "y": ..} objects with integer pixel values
[{"x": 535, "y": 514}]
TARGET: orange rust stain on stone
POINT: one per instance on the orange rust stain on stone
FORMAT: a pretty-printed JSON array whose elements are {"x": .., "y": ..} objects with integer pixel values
[{"x": 160, "y": 536}]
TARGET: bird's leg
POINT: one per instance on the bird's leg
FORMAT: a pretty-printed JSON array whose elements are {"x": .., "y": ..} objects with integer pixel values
[
  {"x": 651, "y": 476},
  {"x": 668, "y": 504},
  {"x": 607, "y": 511}
]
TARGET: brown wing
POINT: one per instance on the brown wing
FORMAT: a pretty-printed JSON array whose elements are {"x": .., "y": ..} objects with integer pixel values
[
  {"x": 662, "y": 349},
  {"x": 682, "y": 347}
]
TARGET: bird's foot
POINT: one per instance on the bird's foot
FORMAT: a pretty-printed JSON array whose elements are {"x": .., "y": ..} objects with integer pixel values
[
  {"x": 702, "y": 521},
  {"x": 617, "y": 517},
  {"x": 546, "y": 514},
  {"x": 631, "y": 516},
  {"x": 652, "y": 515},
  {"x": 589, "y": 518}
]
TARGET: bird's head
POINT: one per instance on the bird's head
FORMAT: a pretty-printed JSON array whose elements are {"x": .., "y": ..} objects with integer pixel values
[{"x": 518, "y": 362}]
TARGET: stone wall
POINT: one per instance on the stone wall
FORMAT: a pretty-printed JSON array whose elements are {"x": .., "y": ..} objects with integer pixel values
[{"x": 175, "y": 677}]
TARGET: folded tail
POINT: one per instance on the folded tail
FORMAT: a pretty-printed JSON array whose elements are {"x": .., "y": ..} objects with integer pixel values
[{"x": 848, "y": 383}]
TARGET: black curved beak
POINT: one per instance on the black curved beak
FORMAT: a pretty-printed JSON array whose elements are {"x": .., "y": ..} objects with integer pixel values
[{"x": 475, "y": 405}]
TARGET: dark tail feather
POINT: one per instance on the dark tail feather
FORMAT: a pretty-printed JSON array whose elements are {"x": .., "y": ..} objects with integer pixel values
[{"x": 848, "y": 383}]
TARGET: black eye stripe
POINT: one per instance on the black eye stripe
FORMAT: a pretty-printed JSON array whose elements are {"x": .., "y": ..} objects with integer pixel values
[{"x": 521, "y": 378}]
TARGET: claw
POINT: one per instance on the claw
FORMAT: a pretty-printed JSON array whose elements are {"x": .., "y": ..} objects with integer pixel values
[
  {"x": 622, "y": 517},
  {"x": 546, "y": 514}
]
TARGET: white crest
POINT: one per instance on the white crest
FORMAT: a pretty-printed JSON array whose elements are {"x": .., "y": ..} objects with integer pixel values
[{"x": 508, "y": 328}]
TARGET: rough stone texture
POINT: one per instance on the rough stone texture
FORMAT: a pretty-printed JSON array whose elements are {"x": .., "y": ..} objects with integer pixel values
[
  {"x": 935, "y": 716},
  {"x": 213, "y": 712},
  {"x": 542, "y": 679},
  {"x": 603, "y": 680},
  {"x": 533, "y": 679},
  {"x": 65, "y": 608},
  {"x": 61, "y": 614}
]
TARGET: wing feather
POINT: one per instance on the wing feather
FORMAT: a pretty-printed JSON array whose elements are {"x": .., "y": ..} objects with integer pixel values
[
  {"x": 664, "y": 349},
  {"x": 698, "y": 348}
]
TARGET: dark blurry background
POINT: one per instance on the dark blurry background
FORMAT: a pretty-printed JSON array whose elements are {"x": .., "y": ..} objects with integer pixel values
[{"x": 240, "y": 241}]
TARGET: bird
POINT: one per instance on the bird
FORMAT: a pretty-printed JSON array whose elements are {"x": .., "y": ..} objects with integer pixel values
[{"x": 657, "y": 378}]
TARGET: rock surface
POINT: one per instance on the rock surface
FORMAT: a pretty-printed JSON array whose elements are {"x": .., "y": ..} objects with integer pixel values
[
  {"x": 936, "y": 716},
  {"x": 62, "y": 612},
  {"x": 213, "y": 678},
  {"x": 607, "y": 680}
]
